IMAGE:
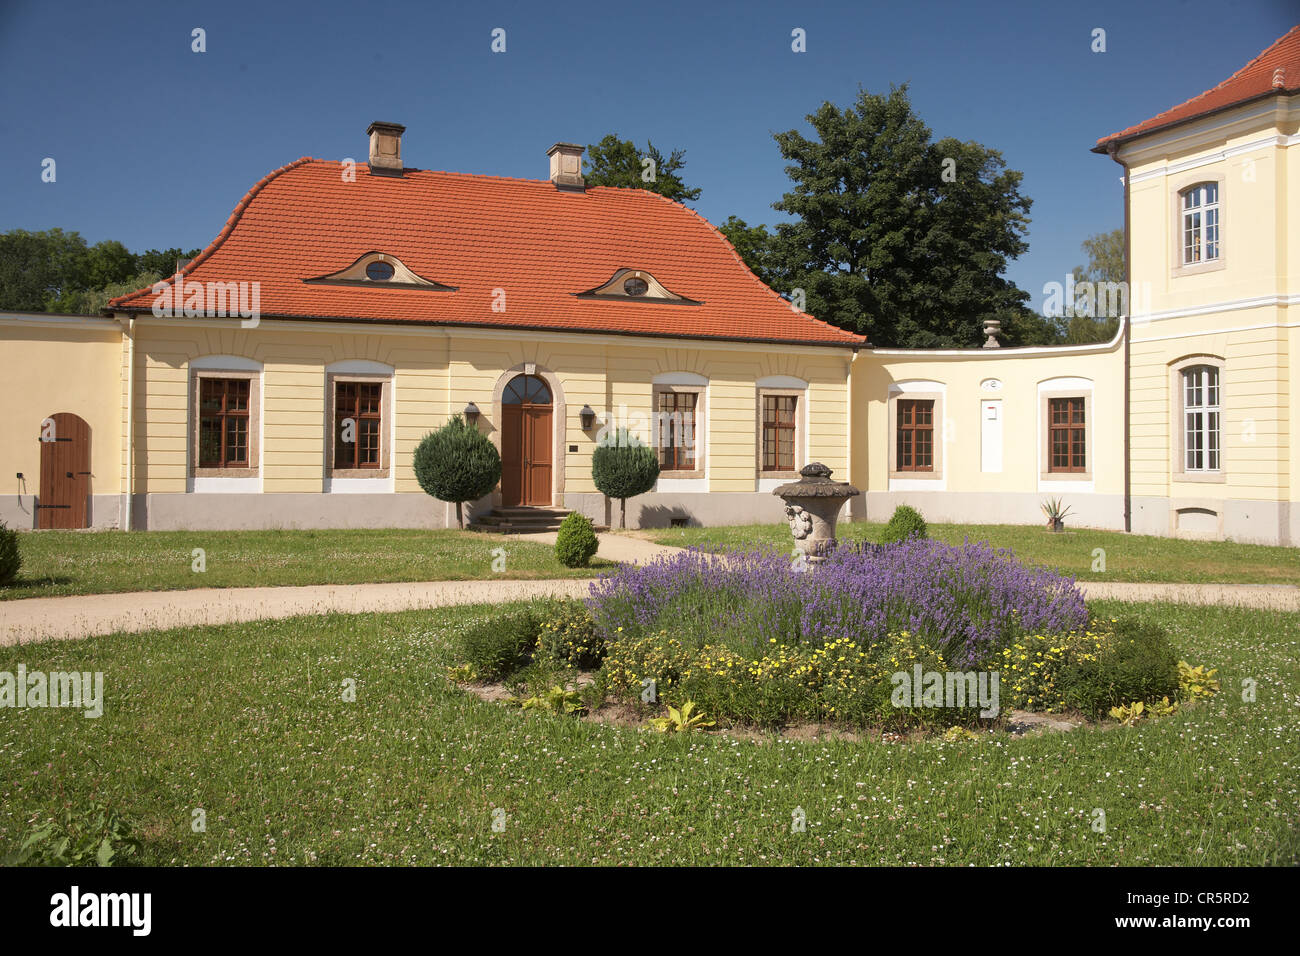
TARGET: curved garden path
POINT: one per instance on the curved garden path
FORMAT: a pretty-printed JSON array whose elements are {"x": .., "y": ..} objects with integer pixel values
[{"x": 53, "y": 618}]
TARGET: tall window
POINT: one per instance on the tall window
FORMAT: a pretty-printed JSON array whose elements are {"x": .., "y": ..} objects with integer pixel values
[
  {"x": 1067, "y": 435},
  {"x": 675, "y": 429},
  {"x": 358, "y": 423},
  {"x": 915, "y": 450},
  {"x": 779, "y": 431},
  {"x": 223, "y": 422},
  {"x": 1201, "y": 413},
  {"x": 1201, "y": 223}
]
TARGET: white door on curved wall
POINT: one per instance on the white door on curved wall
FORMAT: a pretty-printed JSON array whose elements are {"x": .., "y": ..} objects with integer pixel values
[{"x": 991, "y": 435}]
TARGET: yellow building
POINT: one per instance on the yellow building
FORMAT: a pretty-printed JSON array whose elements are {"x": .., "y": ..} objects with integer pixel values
[{"x": 284, "y": 378}]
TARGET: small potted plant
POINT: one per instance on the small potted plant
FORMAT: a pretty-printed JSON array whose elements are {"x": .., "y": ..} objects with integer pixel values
[{"x": 1056, "y": 513}]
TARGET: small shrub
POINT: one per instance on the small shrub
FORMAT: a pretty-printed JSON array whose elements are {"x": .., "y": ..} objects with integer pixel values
[
  {"x": 567, "y": 635},
  {"x": 576, "y": 542},
  {"x": 10, "y": 558},
  {"x": 1137, "y": 663},
  {"x": 623, "y": 467},
  {"x": 501, "y": 645},
  {"x": 457, "y": 463},
  {"x": 905, "y": 523},
  {"x": 96, "y": 836}
]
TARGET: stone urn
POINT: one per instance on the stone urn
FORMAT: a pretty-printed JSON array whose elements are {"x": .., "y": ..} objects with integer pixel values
[{"x": 812, "y": 506}]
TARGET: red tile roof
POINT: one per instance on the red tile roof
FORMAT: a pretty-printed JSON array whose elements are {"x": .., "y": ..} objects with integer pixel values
[
  {"x": 1257, "y": 78},
  {"x": 540, "y": 244}
]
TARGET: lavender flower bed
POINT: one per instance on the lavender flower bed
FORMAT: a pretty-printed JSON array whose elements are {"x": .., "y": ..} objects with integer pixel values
[{"x": 968, "y": 602}]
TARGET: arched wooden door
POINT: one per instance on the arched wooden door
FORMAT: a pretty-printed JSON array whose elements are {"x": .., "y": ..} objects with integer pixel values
[
  {"x": 526, "y": 447},
  {"x": 65, "y": 472}
]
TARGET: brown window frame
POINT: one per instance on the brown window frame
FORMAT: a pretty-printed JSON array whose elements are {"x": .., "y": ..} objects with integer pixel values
[
  {"x": 354, "y": 412},
  {"x": 777, "y": 427},
  {"x": 1075, "y": 432},
  {"x": 677, "y": 456},
  {"x": 223, "y": 416},
  {"x": 905, "y": 424}
]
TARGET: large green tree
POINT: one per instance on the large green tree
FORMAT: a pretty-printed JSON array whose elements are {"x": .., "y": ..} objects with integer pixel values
[
  {"x": 893, "y": 234},
  {"x": 56, "y": 271},
  {"x": 617, "y": 162}
]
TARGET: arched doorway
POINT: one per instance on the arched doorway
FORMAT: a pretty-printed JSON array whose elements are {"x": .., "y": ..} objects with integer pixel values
[
  {"x": 65, "y": 472},
  {"x": 526, "y": 448}
]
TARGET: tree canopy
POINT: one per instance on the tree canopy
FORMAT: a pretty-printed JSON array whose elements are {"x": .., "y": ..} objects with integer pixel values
[
  {"x": 894, "y": 234},
  {"x": 617, "y": 162},
  {"x": 1105, "y": 252},
  {"x": 56, "y": 271}
]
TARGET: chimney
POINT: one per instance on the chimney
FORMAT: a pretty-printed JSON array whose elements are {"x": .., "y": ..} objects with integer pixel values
[
  {"x": 386, "y": 147},
  {"x": 566, "y": 166}
]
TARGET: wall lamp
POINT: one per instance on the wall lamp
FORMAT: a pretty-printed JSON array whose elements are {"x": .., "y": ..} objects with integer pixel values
[
  {"x": 587, "y": 416},
  {"x": 471, "y": 414}
]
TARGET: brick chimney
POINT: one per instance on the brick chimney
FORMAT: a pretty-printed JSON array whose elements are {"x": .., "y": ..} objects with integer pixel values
[
  {"x": 566, "y": 166},
  {"x": 386, "y": 147}
]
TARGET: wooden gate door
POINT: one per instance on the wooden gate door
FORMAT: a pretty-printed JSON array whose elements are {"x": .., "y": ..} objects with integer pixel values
[
  {"x": 526, "y": 452},
  {"x": 65, "y": 472}
]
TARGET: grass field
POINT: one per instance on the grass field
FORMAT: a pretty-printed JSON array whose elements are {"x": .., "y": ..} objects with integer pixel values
[
  {"x": 1127, "y": 557},
  {"x": 247, "y": 722},
  {"x": 72, "y": 562}
]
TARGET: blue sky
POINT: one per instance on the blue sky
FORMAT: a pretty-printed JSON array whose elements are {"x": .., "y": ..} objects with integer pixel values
[{"x": 156, "y": 144}]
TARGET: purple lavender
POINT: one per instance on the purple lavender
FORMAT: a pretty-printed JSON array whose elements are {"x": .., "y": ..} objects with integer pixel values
[{"x": 968, "y": 602}]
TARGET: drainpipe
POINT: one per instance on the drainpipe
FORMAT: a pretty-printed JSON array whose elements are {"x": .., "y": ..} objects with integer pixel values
[
  {"x": 1112, "y": 150},
  {"x": 130, "y": 423}
]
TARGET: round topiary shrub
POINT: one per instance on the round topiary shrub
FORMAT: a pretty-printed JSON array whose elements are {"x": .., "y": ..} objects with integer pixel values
[
  {"x": 623, "y": 468},
  {"x": 576, "y": 541},
  {"x": 457, "y": 463},
  {"x": 10, "y": 559},
  {"x": 905, "y": 523}
]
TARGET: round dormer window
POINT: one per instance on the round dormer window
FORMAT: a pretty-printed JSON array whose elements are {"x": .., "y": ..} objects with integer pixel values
[
  {"x": 379, "y": 271},
  {"x": 636, "y": 286}
]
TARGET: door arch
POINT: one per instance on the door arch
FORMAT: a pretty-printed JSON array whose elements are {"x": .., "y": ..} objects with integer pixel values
[
  {"x": 527, "y": 451},
  {"x": 65, "y": 471}
]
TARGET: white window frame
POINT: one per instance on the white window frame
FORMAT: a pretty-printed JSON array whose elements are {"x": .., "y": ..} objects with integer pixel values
[
  {"x": 1202, "y": 382},
  {"x": 1192, "y": 252}
]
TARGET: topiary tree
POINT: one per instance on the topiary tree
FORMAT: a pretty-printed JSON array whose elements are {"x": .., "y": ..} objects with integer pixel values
[
  {"x": 576, "y": 541},
  {"x": 457, "y": 463},
  {"x": 623, "y": 468},
  {"x": 10, "y": 559},
  {"x": 906, "y": 522}
]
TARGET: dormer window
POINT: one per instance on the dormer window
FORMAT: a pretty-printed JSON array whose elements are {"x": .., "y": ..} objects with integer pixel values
[
  {"x": 379, "y": 268},
  {"x": 635, "y": 284},
  {"x": 379, "y": 271}
]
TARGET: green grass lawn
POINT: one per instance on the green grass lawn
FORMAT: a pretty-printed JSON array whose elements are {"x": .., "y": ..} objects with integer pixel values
[
  {"x": 1128, "y": 557},
  {"x": 72, "y": 562},
  {"x": 247, "y": 722}
]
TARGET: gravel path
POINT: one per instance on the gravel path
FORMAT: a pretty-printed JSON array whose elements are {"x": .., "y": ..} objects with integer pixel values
[{"x": 53, "y": 618}]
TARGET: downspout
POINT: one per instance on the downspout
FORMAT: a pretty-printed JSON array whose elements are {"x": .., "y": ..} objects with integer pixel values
[
  {"x": 130, "y": 423},
  {"x": 1112, "y": 150}
]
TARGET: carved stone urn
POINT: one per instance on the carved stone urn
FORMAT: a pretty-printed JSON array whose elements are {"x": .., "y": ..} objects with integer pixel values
[{"x": 812, "y": 506}]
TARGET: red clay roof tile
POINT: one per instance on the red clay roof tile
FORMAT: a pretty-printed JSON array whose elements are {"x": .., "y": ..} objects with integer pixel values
[{"x": 539, "y": 244}]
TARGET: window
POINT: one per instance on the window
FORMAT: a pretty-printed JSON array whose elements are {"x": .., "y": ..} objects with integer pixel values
[
  {"x": 224, "y": 422},
  {"x": 675, "y": 430},
  {"x": 636, "y": 286},
  {"x": 1200, "y": 223},
  {"x": 779, "y": 427},
  {"x": 1201, "y": 416},
  {"x": 1067, "y": 435},
  {"x": 915, "y": 434},
  {"x": 379, "y": 271},
  {"x": 358, "y": 424}
]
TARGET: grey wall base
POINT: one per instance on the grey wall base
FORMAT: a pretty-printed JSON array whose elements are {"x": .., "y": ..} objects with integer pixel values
[
  {"x": 1233, "y": 519},
  {"x": 961, "y": 507},
  {"x": 237, "y": 512},
  {"x": 19, "y": 511}
]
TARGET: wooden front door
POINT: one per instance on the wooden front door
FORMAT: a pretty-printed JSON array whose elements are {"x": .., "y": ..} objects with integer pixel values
[
  {"x": 65, "y": 472},
  {"x": 526, "y": 447}
]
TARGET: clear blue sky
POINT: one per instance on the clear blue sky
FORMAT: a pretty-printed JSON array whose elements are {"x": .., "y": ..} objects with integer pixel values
[{"x": 156, "y": 144}]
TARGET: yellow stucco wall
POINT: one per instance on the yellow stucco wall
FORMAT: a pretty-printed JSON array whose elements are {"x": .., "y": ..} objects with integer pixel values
[
  {"x": 59, "y": 364},
  {"x": 438, "y": 371}
]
